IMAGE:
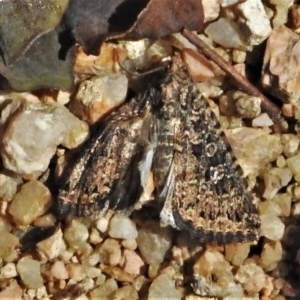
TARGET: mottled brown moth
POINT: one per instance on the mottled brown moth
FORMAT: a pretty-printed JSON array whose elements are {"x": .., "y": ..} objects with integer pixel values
[
  {"x": 198, "y": 181},
  {"x": 196, "y": 174}
]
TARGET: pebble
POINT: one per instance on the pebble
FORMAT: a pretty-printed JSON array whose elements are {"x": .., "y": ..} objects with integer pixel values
[
  {"x": 163, "y": 287},
  {"x": 275, "y": 179},
  {"x": 213, "y": 276},
  {"x": 121, "y": 227},
  {"x": 105, "y": 290},
  {"x": 294, "y": 165},
  {"x": 247, "y": 106},
  {"x": 102, "y": 224},
  {"x": 99, "y": 95},
  {"x": 254, "y": 147},
  {"x": 271, "y": 255},
  {"x": 255, "y": 18},
  {"x": 76, "y": 234},
  {"x": 132, "y": 262},
  {"x": 211, "y": 9},
  {"x": 237, "y": 253},
  {"x": 32, "y": 135},
  {"x": 30, "y": 202},
  {"x": 8, "y": 186},
  {"x": 30, "y": 272},
  {"x": 226, "y": 33},
  {"x": 75, "y": 271},
  {"x": 125, "y": 292},
  {"x": 11, "y": 291},
  {"x": 58, "y": 270},
  {"x": 263, "y": 120},
  {"x": 117, "y": 273},
  {"x": 290, "y": 144},
  {"x": 282, "y": 50},
  {"x": 129, "y": 244},
  {"x": 53, "y": 246},
  {"x": 110, "y": 252},
  {"x": 251, "y": 277},
  {"x": 8, "y": 271},
  {"x": 8, "y": 245},
  {"x": 271, "y": 227},
  {"x": 154, "y": 242}
]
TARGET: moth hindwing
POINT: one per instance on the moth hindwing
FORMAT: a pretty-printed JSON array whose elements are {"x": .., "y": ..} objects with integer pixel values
[
  {"x": 196, "y": 174},
  {"x": 106, "y": 172}
]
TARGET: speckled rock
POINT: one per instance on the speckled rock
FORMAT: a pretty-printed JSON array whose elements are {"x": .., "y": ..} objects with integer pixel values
[
  {"x": 237, "y": 253},
  {"x": 76, "y": 234},
  {"x": 53, "y": 246},
  {"x": 121, "y": 227},
  {"x": 271, "y": 255},
  {"x": 30, "y": 272},
  {"x": 154, "y": 241},
  {"x": 282, "y": 50},
  {"x": 254, "y": 147},
  {"x": 30, "y": 202},
  {"x": 98, "y": 95},
  {"x": 32, "y": 135},
  {"x": 163, "y": 287},
  {"x": 213, "y": 276},
  {"x": 251, "y": 277},
  {"x": 110, "y": 252},
  {"x": 275, "y": 179}
]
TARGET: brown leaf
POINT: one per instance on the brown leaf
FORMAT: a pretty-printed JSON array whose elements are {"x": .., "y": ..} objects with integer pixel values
[{"x": 164, "y": 17}]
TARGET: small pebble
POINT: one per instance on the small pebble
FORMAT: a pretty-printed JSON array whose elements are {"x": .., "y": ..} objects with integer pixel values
[
  {"x": 76, "y": 234},
  {"x": 263, "y": 120},
  {"x": 30, "y": 272},
  {"x": 53, "y": 246},
  {"x": 8, "y": 245},
  {"x": 11, "y": 291},
  {"x": 105, "y": 290},
  {"x": 121, "y": 227},
  {"x": 8, "y": 271},
  {"x": 110, "y": 252},
  {"x": 75, "y": 271},
  {"x": 252, "y": 278},
  {"x": 59, "y": 271},
  {"x": 271, "y": 227},
  {"x": 163, "y": 287},
  {"x": 154, "y": 241},
  {"x": 132, "y": 262},
  {"x": 271, "y": 255},
  {"x": 30, "y": 202},
  {"x": 125, "y": 292},
  {"x": 237, "y": 253}
]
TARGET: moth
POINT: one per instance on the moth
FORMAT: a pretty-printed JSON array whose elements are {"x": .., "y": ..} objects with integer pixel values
[
  {"x": 106, "y": 173},
  {"x": 197, "y": 177},
  {"x": 170, "y": 129}
]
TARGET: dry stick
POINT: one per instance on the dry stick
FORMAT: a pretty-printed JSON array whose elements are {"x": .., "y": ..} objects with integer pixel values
[{"x": 267, "y": 105}]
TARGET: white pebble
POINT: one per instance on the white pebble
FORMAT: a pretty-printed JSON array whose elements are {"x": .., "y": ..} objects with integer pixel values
[
  {"x": 121, "y": 227},
  {"x": 271, "y": 227}
]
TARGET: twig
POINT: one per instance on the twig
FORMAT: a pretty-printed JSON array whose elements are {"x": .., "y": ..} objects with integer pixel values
[{"x": 267, "y": 105}]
